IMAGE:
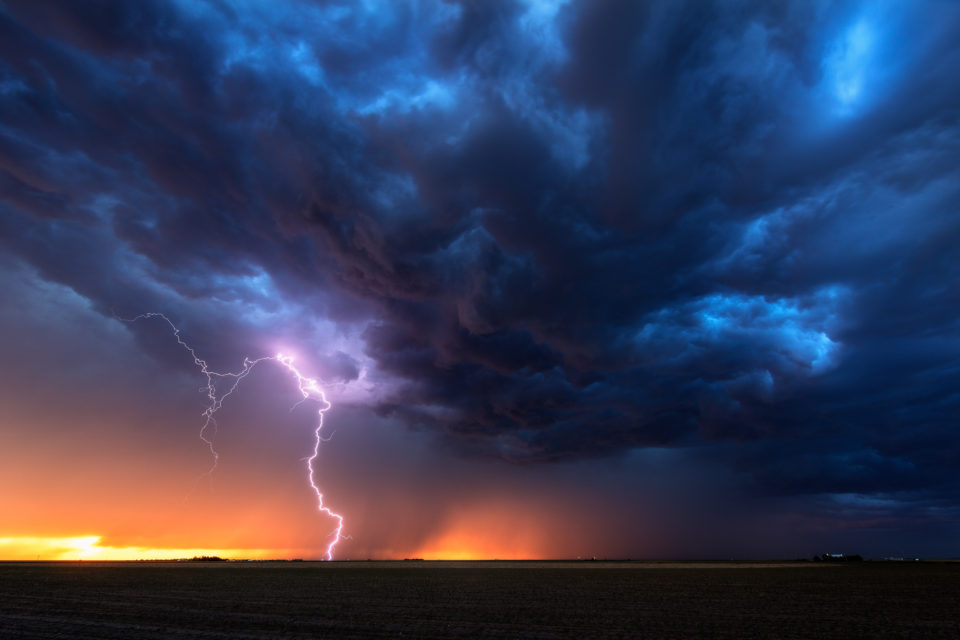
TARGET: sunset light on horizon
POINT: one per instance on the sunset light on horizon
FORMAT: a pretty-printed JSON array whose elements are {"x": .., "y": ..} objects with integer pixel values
[{"x": 451, "y": 280}]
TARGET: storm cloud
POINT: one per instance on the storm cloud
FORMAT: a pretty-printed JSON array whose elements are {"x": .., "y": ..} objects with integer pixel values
[{"x": 541, "y": 231}]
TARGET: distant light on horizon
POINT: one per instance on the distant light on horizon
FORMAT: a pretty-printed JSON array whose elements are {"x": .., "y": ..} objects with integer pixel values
[{"x": 91, "y": 547}]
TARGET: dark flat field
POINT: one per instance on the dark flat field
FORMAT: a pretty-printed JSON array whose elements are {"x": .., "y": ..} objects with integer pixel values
[{"x": 484, "y": 599}]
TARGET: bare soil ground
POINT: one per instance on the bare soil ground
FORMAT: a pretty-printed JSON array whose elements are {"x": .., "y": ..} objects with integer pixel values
[{"x": 468, "y": 600}]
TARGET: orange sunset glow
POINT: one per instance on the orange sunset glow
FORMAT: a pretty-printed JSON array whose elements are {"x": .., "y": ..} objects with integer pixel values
[
  {"x": 487, "y": 532},
  {"x": 90, "y": 548}
]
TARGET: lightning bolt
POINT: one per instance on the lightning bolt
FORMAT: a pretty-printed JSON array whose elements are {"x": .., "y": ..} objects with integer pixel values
[{"x": 309, "y": 388}]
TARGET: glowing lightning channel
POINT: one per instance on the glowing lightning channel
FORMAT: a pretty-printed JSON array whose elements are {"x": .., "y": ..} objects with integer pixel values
[{"x": 309, "y": 388}]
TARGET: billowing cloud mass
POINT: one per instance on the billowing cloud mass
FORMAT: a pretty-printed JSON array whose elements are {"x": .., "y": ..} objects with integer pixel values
[{"x": 534, "y": 232}]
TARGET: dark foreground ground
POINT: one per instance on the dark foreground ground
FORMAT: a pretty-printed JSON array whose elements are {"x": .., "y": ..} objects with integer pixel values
[{"x": 447, "y": 600}]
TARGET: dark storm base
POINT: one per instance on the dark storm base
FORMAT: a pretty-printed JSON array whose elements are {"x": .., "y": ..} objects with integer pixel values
[{"x": 462, "y": 599}]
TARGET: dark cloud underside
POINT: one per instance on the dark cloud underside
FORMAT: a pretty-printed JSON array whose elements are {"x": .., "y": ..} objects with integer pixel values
[{"x": 554, "y": 232}]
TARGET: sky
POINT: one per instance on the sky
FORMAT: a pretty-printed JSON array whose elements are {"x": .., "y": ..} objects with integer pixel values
[{"x": 578, "y": 279}]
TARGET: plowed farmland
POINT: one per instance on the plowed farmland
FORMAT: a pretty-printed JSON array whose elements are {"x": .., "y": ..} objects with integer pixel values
[{"x": 484, "y": 599}]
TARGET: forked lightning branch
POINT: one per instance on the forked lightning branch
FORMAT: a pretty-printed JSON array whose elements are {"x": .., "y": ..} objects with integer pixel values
[{"x": 219, "y": 386}]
